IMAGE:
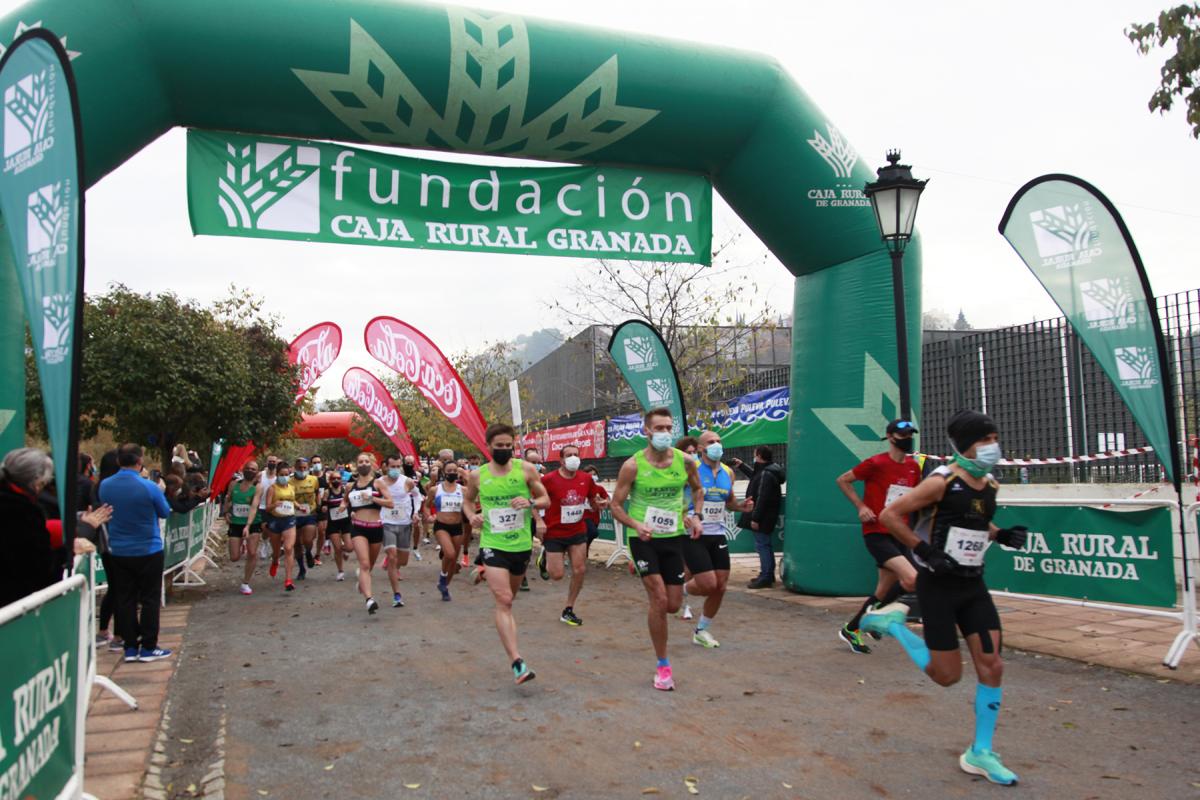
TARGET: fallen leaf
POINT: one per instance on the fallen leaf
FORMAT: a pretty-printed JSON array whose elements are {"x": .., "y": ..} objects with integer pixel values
[
  {"x": 537, "y": 788},
  {"x": 187, "y": 741},
  {"x": 1110, "y": 777},
  {"x": 412, "y": 786},
  {"x": 519, "y": 719},
  {"x": 862, "y": 682},
  {"x": 1164, "y": 680},
  {"x": 637, "y": 745},
  {"x": 328, "y": 767},
  {"x": 191, "y": 788},
  {"x": 1120, "y": 708},
  {"x": 1068, "y": 725},
  {"x": 691, "y": 787},
  {"x": 263, "y": 792},
  {"x": 650, "y": 790},
  {"x": 690, "y": 779},
  {"x": 787, "y": 786}
]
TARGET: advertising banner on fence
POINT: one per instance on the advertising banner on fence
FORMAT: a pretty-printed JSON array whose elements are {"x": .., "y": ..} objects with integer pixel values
[
  {"x": 369, "y": 393},
  {"x": 315, "y": 351},
  {"x": 183, "y": 536},
  {"x": 642, "y": 356},
  {"x": 320, "y": 192},
  {"x": 587, "y": 436},
  {"x": 40, "y": 672},
  {"x": 1088, "y": 554},
  {"x": 406, "y": 350},
  {"x": 756, "y": 418},
  {"x": 625, "y": 436},
  {"x": 41, "y": 197},
  {"x": 1074, "y": 241}
]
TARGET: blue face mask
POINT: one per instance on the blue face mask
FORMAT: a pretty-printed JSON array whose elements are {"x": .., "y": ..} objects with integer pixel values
[
  {"x": 301, "y": 474},
  {"x": 282, "y": 480},
  {"x": 394, "y": 474},
  {"x": 714, "y": 451},
  {"x": 986, "y": 457},
  {"x": 660, "y": 441}
]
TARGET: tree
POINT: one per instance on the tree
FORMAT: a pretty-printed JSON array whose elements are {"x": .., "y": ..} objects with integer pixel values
[
  {"x": 160, "y": 370},
  {"x": 1179, "y": 72},
  {"x": 690, "y": 305},
  {"x": 935, "y": 320}
]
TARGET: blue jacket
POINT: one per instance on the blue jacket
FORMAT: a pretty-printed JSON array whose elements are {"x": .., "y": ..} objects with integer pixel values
[{"x": 138, "y": 504}]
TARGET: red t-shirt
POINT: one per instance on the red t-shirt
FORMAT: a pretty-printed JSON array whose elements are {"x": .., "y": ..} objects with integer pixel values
[
  {"x": 878, "y": 474},
  {"x": 592, "y": 513},
  {"x": 569, "y": 495}
]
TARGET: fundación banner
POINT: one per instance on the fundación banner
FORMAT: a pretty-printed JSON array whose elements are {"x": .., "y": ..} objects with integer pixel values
[
  {"x": 369, "y": 394},
  {"x": 587, "y": 436},
  {"x": 1074, "y": 241},
  {"x": 625, "y": 435},
  {"x": 315, "y": 350},
  {"x": 756, "y": 418},
  {"x": 404, "y": 349},
  {"x": 639, "y": 352},
  {"x": 275, "y": 188},
  {"x": 1088, "y": 554},
  {"x": 41, "y": 198}
]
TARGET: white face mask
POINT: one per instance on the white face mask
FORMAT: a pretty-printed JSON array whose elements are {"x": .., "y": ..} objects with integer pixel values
[
  {"x": 988, "y": 455},
  {"x": 660, "y": 441},
  {"x": 571, "y": 463}
]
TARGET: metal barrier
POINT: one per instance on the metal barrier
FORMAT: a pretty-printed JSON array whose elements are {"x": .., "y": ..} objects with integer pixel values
[{"x": 1189, "y": 633}]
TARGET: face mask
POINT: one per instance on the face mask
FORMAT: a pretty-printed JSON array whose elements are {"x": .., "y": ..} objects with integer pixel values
[
  {"x": 364, "y": 469},
  {"x": 409, "y": 471},
  {"x": 714, "y": 451},
  {"x": 451, "y": 478},
  {"x": 904, "y": 445},
  {"x": 335, "y": 483},
  {"x": 595, "y": 477},
  {"x": 394, "y": 474},
  {"x": 316, "y": 468},
  {"x": 660, "y": 441},
  {"x": 501, "y": 455},
  {"x": 301, "y": 474},
  {"x": 571, "y": 463},
  {"x": 282, "y": 480},
  {"x": 249, "y": 475},
  {"x": 986, "y": 457}
]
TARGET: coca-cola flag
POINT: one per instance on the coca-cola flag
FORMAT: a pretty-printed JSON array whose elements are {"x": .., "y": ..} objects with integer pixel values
[
  {"x": 406, "y": 350},
  {"x": 373, "y": 398},
  {"x": 315, "y": 351}
]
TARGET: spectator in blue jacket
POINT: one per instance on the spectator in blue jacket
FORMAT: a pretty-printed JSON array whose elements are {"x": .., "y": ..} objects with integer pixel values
[{"x": 135, "y": 553}]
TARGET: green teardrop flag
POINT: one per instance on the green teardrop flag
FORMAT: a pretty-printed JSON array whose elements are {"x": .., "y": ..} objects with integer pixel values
[{"x": 642, "y": 356}]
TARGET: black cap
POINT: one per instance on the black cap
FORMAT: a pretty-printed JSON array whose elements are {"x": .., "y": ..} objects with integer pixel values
[
  {"x": 900, "y": 426},
  {"x": 967, "y": 427}
]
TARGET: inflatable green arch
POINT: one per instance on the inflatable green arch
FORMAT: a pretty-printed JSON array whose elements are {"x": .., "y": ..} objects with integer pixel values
[{"x": 455, "y": 79}]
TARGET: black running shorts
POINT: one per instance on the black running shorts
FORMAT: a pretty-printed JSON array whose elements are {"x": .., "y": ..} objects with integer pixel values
[
  {"x": 884, "y": 547},
  {"x": 372, "y": 535},
  {"x": 515, "y": 563},
  {"x": 706, "y": 554},
  {"x": 238, "y": 530},
  {"x": 659, "y": 556},
  {"x": 561, "y": 545},
  {"x": 452, "y": 528},
  {"x": 950, "y": 601}
]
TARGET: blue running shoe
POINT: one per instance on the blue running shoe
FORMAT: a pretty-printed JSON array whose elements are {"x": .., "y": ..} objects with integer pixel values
[
  {"x": 131, "y": 654},
  {"x": 157, "y": 654},
  {"x": 444, "y": 589},
  {"x": 987, "y": 764},
  {"x": 877, "y": 620},
  {"x": 397, "y": 601},
  {"x": 522, "y": 672}
]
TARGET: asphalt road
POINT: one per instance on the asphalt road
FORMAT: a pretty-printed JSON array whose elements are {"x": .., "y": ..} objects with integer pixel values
[{"x": 318, "y": 700}]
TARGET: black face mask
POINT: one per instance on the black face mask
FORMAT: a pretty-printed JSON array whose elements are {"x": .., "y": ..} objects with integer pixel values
[
  {"x": 409, "y": 471},
  {"x": 249, "y": 475},
  {"x": 502, "y": 455},
  {"x": 452, "y": 478},
  {"x": 904, "y": 445},
  {"x": 364, "y": 469}
]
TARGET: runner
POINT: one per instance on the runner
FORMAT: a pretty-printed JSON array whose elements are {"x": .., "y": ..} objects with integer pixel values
[
  {"x": 886, "y": 477},
  {"x": 306, "y": 487},
  {"x": 955, "y": 505},
  {"x": 571, "y": 492},
  {"x": 365, "y": 496},
  {"x": 338, "y": 529},
  {"x": 591, "y": 516},
  {"x": 397, "y": 524},
  {"x": 505, "y": 489},
  {"x": 245, "y": 525},
  {"x": 652, "y": 481},
  {"x": 322, "y": 545},
  {"x": 707, "y": 558},
  {"x": 445, "y": 500},
  {"x": 416, "y": 498},
  {"x": 538, "y": 525},
  {"x": 281, "y": 522},
  {"x": 689, "y": 445}
]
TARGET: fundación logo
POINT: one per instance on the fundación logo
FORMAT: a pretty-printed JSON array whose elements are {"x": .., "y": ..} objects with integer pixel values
[
  {"x": 841, "y": 158},
  {"x": 1066, "y": 235},
  {"x": 640, "y": 354},
  {"x": 56, "y": 328},
  {"x": 271, "y": 186},
  {"x": 1108, "y": 304},
  {"x": 47, "y": 223},
  {"x": 1135, "y": 367},
  {"x": 28, "y": 121}
]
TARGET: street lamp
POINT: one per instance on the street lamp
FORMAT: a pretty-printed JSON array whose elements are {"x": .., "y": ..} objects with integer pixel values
[{"x": 894, "y": 197}]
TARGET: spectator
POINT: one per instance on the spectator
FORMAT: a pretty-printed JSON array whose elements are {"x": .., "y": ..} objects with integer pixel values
[
  {"x": 84, "y": 484},
  {"x": 179, "y": 495},
  {"x": 766, "y": 481},
  {"x": 135, "y": 540},
  {"x": 108, "y": 468},
  {"x": 27, "y": 561}
]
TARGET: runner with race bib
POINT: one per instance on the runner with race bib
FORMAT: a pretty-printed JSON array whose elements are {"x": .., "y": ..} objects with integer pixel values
[
  {"x": 281, "y": 522},
  {"x": 338, "y": 526},
  {"x": 307, "y": 487},
  {"x": 397, "y": 525},
  {"x": 245, "y": 523},
  {"x": 366, "y": 495},
  {"x": 446, "y": 503},
  {"x": 571, "y": 494}
]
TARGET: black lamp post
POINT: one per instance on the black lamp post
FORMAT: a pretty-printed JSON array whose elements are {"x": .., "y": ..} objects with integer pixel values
[{"x": 894, "y": 197}]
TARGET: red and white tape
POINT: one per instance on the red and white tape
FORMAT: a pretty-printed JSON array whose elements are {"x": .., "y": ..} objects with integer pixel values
[{"x": 1037, "y": 462}]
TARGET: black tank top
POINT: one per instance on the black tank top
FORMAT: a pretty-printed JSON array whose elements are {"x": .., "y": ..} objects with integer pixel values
[
  {"x": 961, "y": 507},
  {"x": 354, "y": 487}
]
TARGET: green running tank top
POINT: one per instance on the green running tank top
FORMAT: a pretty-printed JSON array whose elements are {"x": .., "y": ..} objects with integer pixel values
[
  {"x": 239, "y": 498},
  {"x": 656, "y": 497},
  {"x": 504, "y": 528}
]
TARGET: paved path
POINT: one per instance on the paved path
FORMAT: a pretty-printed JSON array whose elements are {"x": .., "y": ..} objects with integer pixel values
[{"x": 305, "y": 696}]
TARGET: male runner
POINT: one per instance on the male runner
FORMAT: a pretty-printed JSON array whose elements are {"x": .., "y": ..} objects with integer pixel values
[
  {"x": 245, "y": 524},
  {"x": 571, "y": 492},
  {"x": 537, "y": 525},
  {"x": 591, "y": 516},
  {"x": 505, "y": 489},
  {"x": 886, "y": 477},
  {"x": 652, "y": 480},
  {"x": 397, "y": 525},
  {"x": 707, "y": 558},
  {"x": 956, "y": 504}
]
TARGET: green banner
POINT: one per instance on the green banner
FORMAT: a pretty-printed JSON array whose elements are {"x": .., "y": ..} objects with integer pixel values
[
  {"x": 643, "y": 358},
  {"x": 1074, "y": 241},
  {"x": 319, "y": 192},
  {"x": 40, "y": 197},
  {"x": 197, "y": 530},
  {"x": 1089, "y": 554},
  {"x": 40, "y": 672},
  {"x": 175, "y": 540}
]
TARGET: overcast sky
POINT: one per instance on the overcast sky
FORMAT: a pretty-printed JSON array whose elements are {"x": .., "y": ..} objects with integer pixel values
[{"x": 980, "y": 98}]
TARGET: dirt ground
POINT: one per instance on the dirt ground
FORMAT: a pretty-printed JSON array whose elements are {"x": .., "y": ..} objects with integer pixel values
[{"x": 306, "y": 696}]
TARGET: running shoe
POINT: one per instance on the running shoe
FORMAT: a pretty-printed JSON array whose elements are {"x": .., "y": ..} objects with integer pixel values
[
  {"x": 288, "y": 586},
  {"x": 115, "y": 645},
  {"x": 525, "y": 584},
  {"x": 521, "y": 672},
  {"x": 478, "y": 575},
  {"x": 425, "y": 540},
  {"x": 397, "y": 601},
  {"x": 327, "y": 549},
  {"x": 246, "y": 589},
  {"x": 568, "y": 616},
  {"x": 372, "y": 606},
  {"x": 158, "y": 654},
  {"x": 663, "y": 680},
  {"x": 316, "y": 562},
  {"x": 686, "y": 613},
  {"x": 541, "y": 565},
  {"x": 878, "y": 619},
  {"x": 854, "y": 640},
  {"x": 704, "y": 639},
  {"x": 417, "y": 555},
  {"x": 443, "y": 587},
  {"x": 466, "y": 563},
  {"x": 987, "y": 764},
  {"x": 274, "y": 568},
  {"x": 303, "y": 575},
  {"x": 341, "y": 576},
  {"x": 308, "y": 559},
  {"x": 131, "y": 654},
  {"x": 102, "y": 640}
]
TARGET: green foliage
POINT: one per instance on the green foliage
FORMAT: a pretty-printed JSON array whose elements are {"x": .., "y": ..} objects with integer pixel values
[
  {"x": 1179, "y": 72},
  {"x": 168, "y": 368}
]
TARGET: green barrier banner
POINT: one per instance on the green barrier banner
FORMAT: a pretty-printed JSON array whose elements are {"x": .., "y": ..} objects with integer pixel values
[
  {"x": 319, "y": 192},
  {"x": 41, "y": 200},
  {"x": 1074, "y": 241},
  {"x": 624, "y": 435},
  {"x": 639, "y": 352},
  {"x": 175, "y": 540},
  {"x": 40, "y": 672},
  {"x": 1088, "y": 554},
  {"x": 197, "y": 530}
]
